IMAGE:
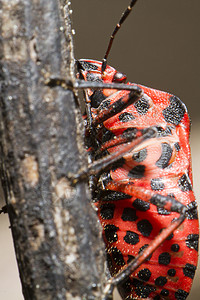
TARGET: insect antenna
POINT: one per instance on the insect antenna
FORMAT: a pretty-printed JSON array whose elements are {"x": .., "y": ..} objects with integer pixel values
[{"x": 121, "y": 21}]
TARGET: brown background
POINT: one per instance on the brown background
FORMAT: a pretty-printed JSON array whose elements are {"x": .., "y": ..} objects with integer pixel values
[{"x": 158, "y": 46}]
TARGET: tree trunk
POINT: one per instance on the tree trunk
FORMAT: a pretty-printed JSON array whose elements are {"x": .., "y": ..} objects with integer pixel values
[{"x": 55, "y": 231}]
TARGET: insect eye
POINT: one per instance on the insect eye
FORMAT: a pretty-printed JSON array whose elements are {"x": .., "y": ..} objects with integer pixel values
[{"x": 119, "y": 77}]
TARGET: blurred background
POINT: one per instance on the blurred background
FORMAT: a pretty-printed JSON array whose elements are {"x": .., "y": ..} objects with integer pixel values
[{"x": 158, "y": 46}]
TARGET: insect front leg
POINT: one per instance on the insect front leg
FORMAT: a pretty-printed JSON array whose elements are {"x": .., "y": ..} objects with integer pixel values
[{"x": 80, "y": 84}]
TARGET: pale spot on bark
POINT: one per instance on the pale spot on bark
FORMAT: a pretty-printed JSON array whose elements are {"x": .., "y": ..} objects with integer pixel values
[{"x": 30, "y": 170}]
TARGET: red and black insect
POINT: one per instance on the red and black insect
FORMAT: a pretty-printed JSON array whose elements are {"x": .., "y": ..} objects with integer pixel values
[{"x": 138, "y": 142}]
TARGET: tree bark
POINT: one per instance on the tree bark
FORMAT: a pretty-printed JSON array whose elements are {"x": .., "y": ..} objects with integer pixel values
[{"x": 55, "y": 231}]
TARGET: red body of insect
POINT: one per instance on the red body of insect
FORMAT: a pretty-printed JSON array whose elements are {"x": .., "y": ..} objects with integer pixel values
[{"x": 159, "y": 165}]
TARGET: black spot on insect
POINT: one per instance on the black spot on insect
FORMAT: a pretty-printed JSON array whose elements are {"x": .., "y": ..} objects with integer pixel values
[
  {"x": 142, "y": 248},
  {"x": 171, "y": 272},
  {"x": 137, "y": 172},
  {"x": 142, "y": 105},
  {"x": 175, "y": 111},
  {"x": 160, "y": 281},
  {"x": 189, "y": 270},
  {"x": 130, "y": 258},
  {"x": 140, "y": 155},
  {"x": 129, "y": 214},
  {"x": 131, "y": 238},
  {"x": 144, "y": 227},
  {"x": 164, "y": 258},
  {"x": 126, "y": 286},
  {"x": 144, "y": 274},
  {"x": 192, "y": 241},
  {"x": 83, "y": 65},
  {"x": 108, "y": 195},
  {"x": 117, "y": 256},
  {"x": 177, "y": 146},
  {"x": 143, "y": 291},
  {"x": 118, "y": 164},
  {"x": 107, "y": 211},
  {"x": 184, "y": 183},
  {"x": 181, "y": 295},
  {"x": 192, "y": 213},
  {"x": 157, "y": 184},
  {"x": 141, "y": 205},
  {"x": 165, "y": 157},
  {"x": 126, "y": 117},
  {"x": 175, "y": 247},
  {"x": 164, "y": 292},
  {"x": 96, "y": 98},
  {"x": 110, "y": 233}
]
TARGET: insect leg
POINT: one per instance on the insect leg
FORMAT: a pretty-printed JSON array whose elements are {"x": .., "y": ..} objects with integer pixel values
[
  {"x": 100, "y": 164},
  {"x": 80, "y": 84},
  {"x": 134, "y": 264},
  {"x": 106, "y": 110},
  {"x": 170, "y": 204},
  {"x": 104, "y": 114}
]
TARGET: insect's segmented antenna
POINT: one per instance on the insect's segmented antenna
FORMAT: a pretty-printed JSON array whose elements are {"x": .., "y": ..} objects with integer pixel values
[{"x": 121, "y": 21}]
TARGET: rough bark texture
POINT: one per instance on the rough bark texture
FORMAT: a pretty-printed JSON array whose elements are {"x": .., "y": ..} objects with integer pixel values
[{"x": 56, "y": 237}]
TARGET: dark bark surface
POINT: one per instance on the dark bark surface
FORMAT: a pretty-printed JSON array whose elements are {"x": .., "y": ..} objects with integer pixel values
[{"x": 55, "y": 231}]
